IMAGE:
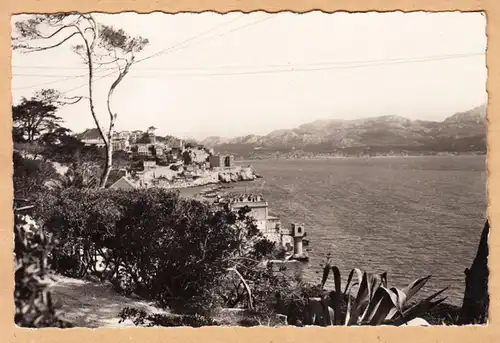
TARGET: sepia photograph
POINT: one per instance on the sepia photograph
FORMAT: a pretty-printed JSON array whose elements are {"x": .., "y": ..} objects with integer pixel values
[{"x": 250, "y": 169}]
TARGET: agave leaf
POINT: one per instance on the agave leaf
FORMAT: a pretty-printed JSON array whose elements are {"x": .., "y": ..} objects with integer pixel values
[
  {"x": 326, "y": 271},
  {"x": 429, "y": 298},
  {"x": 383, "y": 277},
  {"x": 422, "y": 306},
  {"x": 368, "y": 286},
  {"x": 415, "y": 286},
  {"x": 373, "y": 305},
  {"x": 335, "y": 296},
  {"x": 398, "y": 298},
  {"x": 334, "y": 303},
  {"x": 349, "y": 303},
  {"x": 392, "y": 313},
  {"x": 400, "y": 302},
  {"x": 420, "y": 309},
  {"x": 359, "y": 299},
  {"x": 328, "y": 313},
  {"x": 383, "y": 312},
  {"x": 383, "y": 303},
  {"x": 374, "y": 282},
  {"x": 359, "y": 274},
  {"x": 337, "y": 279}
]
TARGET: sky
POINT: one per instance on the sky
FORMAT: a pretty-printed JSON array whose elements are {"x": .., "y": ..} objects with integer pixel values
[{"x": 235, "y": 74}]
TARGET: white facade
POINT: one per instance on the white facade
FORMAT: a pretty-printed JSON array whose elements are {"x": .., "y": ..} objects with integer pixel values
[{"x": 94, "y": 141}]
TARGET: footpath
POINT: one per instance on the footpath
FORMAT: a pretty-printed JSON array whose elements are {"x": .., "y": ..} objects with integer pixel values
[{"x": 92, "y": 305}]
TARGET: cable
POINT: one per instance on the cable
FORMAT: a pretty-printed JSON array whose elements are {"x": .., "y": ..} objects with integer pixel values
[
  {"x": 209, "y": 38},
  {"x": 54, "y": 81},
  {"x": 47, "y": 67},
  {"x": 333, "y": 63},
  {"x": 46, "y": 75},
  {"x": 344, "y": 65},
  {"x": 85, "y": 84},
  {"x": 304, "y": 69},
  {"x": 46, "y": 83},
  {"x": 50, "y": 67},
  {"x": 169, "y": 49}
]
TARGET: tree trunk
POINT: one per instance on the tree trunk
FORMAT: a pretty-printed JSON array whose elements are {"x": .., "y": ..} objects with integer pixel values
[
  {"x": 108, "y": 165},
  {"x": 476, "y": 299}
]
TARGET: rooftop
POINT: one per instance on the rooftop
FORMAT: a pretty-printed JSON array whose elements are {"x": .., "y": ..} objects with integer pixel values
[{"x": 241, "y": 198}]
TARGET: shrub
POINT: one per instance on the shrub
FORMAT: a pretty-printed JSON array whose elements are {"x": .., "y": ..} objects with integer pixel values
[
  {"x": 77, "y": 221},
  {"x": 83, "y": 175},
  {"x": 142, "y": 318},
  {"x": 294, "y": 304},
  {"x": 33, "y": 301},
  {"x": 153, "y": 242},
  {"x": 31, "y": 175}
]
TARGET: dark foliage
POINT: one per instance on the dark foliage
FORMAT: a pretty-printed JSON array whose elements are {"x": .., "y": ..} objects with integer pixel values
[
  {"x": 34, "y": 117},
  {"x": 476, "y": 298},
  {"x": 142, "y": 318},
  {"x": 33, "y": 301},
  {"x": 30, "y": 176},
  {"x": 153, "y": 242}
]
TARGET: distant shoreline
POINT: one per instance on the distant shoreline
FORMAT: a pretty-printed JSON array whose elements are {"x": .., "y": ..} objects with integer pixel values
[{"x": 331, "y": 157}]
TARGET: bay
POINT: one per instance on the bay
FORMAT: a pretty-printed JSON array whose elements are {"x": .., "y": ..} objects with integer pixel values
[{"x": 409, "y": 216}]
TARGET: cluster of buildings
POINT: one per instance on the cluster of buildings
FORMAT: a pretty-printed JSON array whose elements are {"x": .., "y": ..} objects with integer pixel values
[
  {"x": 150, "y": 147},
  {"x": 137, "y": 142},
  {"x": 220, "y": 161}
]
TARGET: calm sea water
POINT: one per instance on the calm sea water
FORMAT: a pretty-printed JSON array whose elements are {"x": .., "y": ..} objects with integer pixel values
[{"x": 409, "y": 216}]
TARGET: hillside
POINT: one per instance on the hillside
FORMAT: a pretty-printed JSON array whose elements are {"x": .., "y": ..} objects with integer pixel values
[{"x": 459, "y": 133}]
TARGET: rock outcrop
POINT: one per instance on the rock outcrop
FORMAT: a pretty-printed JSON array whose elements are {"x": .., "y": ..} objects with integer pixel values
[{"x": 235, "y": 175}]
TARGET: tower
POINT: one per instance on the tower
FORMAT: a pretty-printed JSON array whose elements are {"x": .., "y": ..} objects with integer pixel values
[
  {"x": 151, "y": 133},
  {"x": 298, "y": 233}
]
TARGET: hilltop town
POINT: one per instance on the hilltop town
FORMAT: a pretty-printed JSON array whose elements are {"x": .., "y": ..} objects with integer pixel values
[{"x": 148, "y": 160}]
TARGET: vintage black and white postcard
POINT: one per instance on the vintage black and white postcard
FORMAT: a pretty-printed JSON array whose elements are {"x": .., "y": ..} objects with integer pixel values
[{"x": 249, "y": 169}]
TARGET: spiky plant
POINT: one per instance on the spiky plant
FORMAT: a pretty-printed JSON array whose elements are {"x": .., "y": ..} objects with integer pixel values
[{"x": 369, "y": 300}]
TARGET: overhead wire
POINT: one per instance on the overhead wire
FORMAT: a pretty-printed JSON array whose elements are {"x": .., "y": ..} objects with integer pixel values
[
  {"x": 177, "y": 46},
  {"x": 263, "y": 69},
  {"x": 65, "y": 78},
  {"x": 311, "y": 67},
  {"x": 172, "y": 48},
  {"x": 45, "y": 83},
  {"x": 290, "y": 67},
  {"x": 164, "y": 51},
  {"x": 85, "y": 84}
]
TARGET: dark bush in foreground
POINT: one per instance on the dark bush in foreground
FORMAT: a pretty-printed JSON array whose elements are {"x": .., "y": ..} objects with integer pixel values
[
  {"x": 142, "y": 318},
  {"x": 33, "y": 301},
  {"x": 151, "y": 242}
]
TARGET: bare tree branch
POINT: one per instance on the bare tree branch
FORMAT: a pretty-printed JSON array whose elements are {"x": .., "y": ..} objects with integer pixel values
[
  {"x": 247, "y": 287},
  {"x": 72, "y": 100},
  {"x": 36, "y": 49},
  {"x": 55, "y": 33}
]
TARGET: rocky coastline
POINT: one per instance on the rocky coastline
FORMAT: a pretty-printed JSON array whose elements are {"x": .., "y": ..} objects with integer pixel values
[
  {"x": 238, "y": 174},
  {"x": 195, "y": 186}
]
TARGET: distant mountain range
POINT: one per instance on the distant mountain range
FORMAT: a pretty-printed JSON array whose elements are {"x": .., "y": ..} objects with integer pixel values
[{"x": 463, "y": 132}]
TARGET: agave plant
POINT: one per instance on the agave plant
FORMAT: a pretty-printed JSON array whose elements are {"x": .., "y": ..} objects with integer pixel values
[{"x": 373, "y": 302}]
